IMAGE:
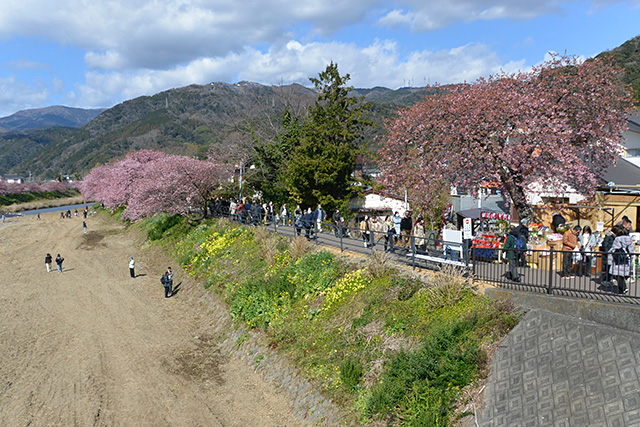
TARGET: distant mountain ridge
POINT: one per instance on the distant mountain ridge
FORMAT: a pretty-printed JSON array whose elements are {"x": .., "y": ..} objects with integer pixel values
[
  {"x": 57, "y": 115},
  {"x": 185, "y": 120}
]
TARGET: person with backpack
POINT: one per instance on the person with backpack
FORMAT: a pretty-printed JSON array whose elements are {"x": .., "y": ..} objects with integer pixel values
[
  {"x": 512, "y": 254},
  {"x": 620, "y": 257},
  {"x": 522, "y": 233},
  {"x": 59, "y": 260},
  {"x": 167, "y": 282}
]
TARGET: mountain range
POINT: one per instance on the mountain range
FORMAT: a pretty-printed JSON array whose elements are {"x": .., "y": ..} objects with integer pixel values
[
  {"x": 61, "y": 140},
  {"x": 57, "y": 115},
  {"x": 184, "y": 121}
]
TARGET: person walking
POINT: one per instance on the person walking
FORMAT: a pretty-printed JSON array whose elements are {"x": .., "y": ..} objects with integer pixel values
[
  {"x": 587, "y": 243},
  {"x": 365, "y": 230},
  {"x": 284, "y": 214},
  {"x": 605, "y": 246},
  {"x": 132, "y": 267},
  {"x": 59, "y": 260},
  {"x": 620, "y": 257},
  {"x": 168, "y": 285},
  {"x": 512, "y": 254},
  {"x": 318, "y": 217},
  {"x": 396, "y": 219},
  {"x": 406, "y": 225},
  {"x": 47, "y": 261},
  {"x": 84, "y": 226},
  {"x": 390, "y": 231},
  {"x": 420, "y": 234}
]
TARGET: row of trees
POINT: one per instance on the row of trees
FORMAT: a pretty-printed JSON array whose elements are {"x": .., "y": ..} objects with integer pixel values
[
  {"x": 148, "y": 182},
  {"x": 33, "y": 187}
]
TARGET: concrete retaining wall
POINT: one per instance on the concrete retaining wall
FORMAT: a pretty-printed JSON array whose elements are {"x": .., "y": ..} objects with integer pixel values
[{"x": 614, "y": 314}]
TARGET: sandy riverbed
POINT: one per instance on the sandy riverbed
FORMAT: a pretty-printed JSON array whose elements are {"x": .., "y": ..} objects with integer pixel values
[{"x": 92, "y": 346}]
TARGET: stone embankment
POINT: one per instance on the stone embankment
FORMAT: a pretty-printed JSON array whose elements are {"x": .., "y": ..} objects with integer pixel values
[{"x": 309, "y": 406}]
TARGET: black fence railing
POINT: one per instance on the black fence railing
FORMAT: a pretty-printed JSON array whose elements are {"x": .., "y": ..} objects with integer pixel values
[
  {"x": 572, "y": 273},
  {"x": 578, "y": 274}
]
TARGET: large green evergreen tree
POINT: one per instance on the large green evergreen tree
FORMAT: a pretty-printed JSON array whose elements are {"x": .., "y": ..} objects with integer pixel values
[{"x": 319, "y": 168}]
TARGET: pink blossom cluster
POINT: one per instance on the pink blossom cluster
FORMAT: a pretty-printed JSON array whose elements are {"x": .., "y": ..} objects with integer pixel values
[
  {"x": 32, "y": 187},
  {"x": 148, "y": 182},
  {"x": 558, "y": 124}
]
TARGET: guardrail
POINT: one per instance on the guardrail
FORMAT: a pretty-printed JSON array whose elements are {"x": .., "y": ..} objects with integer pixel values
[{"x": 537, "y": 270}]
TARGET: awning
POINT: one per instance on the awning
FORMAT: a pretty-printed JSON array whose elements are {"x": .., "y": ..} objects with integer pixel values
[{"x": 479, "y": 213}]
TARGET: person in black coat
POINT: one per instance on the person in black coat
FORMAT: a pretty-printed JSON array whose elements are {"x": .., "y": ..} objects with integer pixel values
[
  {"x": 522, "y": 233},
  {"x": 406, "y": 225},
  {"x": 47, "y": 261},
  {"x": 307, "y": 222},
  {"x": 605, "y": 247}
]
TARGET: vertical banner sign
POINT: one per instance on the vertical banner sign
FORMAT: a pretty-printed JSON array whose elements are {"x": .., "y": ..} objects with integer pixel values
[
  {"x": 466, "y": 228},
  {"x": 600, "y": 226}
]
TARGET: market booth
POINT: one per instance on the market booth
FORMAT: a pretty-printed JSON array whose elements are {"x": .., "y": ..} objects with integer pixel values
[{"x": 488, "y": 229}]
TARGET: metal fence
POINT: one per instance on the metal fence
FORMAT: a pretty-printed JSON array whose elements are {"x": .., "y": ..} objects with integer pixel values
[{"x": 577, "y": 274}]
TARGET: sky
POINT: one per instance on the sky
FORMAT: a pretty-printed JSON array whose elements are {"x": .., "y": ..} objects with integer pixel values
[{"x": 97, "y": 53}]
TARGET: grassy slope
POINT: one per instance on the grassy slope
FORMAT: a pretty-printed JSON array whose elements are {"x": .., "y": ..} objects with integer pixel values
[{"x": 379, "y": 342}]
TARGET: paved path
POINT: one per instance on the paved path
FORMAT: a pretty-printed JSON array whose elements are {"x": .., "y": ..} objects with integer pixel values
[{"x": 554, "y": 370}]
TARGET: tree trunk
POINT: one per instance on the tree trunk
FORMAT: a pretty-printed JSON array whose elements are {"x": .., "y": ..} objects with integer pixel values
[{"x": 515, "y": 188}]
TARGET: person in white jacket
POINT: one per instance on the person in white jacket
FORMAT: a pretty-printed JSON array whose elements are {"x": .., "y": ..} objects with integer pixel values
[
  {"x": 132, "y": 267},
  {"x": 620, "y": 257},
  {"x": 587, "y": 243}
]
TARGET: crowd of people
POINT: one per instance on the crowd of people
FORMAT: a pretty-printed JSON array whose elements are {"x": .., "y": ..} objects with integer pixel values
[{"x": 580, "y": 249}]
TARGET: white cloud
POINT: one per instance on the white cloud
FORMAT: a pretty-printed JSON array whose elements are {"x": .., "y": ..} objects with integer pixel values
[
  {"x": 20, "y": 65},
  {"x": 159, "y": 34},
  {"x": 378, "y": 64},
  {"x": 124, "y": 35},
  {"x": 420, "y": 16},
  {"x": 16, "y": 95}
]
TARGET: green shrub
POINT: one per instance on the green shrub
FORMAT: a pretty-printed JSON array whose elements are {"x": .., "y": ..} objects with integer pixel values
[
  {"x": 158, "y": 225},
  {"x": 351, "y": 372},
  {"x": 426, "y": 406},
  {"x": 447, "y": 361}
]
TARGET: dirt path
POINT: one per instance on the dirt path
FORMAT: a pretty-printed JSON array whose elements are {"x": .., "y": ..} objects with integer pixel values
[{"x": 92, "y": 346}]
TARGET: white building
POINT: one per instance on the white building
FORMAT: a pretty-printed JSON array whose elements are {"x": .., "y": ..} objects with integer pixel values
[
  {"x": 379, "y": 203},
  {"x": 632, "y": 139}
]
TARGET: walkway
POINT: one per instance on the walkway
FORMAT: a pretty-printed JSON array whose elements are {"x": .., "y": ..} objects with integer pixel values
[{"x": 555, "y": 370}]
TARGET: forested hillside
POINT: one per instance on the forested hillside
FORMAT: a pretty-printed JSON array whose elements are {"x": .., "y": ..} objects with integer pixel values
[
  {"x": 184, "y": 121},
  {"x": 628, "y": 57}
]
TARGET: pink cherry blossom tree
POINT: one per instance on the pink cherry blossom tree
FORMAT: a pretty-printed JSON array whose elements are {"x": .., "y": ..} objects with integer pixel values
[
  {"x": 148, "y": 182},
  {"x": 559, "y": 124},
  {"x": 113, "y": 183}
]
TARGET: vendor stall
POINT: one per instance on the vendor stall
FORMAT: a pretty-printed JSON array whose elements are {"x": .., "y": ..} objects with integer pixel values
[{"x": 488, "y": 231}]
